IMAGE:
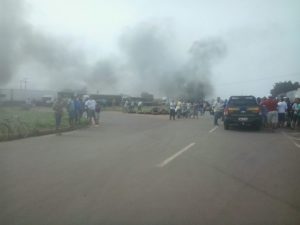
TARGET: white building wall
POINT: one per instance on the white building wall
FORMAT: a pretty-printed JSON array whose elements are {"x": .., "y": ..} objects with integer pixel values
[
  {"x": 23, "y": 95},
  {"x": 293, "y": 94}
]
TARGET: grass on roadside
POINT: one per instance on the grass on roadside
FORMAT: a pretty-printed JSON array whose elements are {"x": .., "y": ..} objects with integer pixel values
[{"x": 19, "y": 122}]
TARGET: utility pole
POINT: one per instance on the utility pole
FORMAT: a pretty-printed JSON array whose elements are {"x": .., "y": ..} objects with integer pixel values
[{"x": 25, "y": 83}]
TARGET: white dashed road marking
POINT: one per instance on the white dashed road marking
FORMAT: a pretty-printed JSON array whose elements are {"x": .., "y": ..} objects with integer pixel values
[
  {"x": 168, "y": 160},
  {"x": 212, "y": 130}
]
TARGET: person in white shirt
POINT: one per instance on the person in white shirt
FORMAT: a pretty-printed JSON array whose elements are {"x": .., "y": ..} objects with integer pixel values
[
  {"x": 140, "y": 104},
  {"x": 172, "y": 110},
  {"x": 218, "y": 107},
  {"x": 90, "y": 105},
  {"x": 178, "y": 109},
  {"x": 281, "y": 108}
]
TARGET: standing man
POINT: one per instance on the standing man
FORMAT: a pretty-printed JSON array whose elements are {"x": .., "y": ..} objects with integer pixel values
[
  {"x": 132, "y": 110},
  {"x": 58, "y": 112},
  {"x": 295, "y": 113},
  {"x": 178, "y": 109},
  {"x": 289, "y": 112},
  {"x": 91, "y": 107},
  {"x": 282, "y": 108},
  {"x": 272, "y": 116},
  {"x": 140, "y": 104},
  {"x": 264, "y": 112},
  {"x": 201, "y": 108},
  {"x": 97, "y": 112},
  {"x": 71, "y": 111},
  {"x": 78, "y": 110},
  {"x": 218, "y": 108},
  {"x": 195, "y": 109},
  {"x": 172, "y": 110},
  {"x": 126, "y": 106}
]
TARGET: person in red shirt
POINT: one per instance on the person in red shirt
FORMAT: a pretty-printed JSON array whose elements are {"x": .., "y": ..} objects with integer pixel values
[{"x": 271, "y": 105}]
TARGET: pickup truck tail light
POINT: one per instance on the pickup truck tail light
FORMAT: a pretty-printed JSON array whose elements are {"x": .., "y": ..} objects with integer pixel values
[
  {"x": 230, "y": 110},
  {"x": 254, "y": 110}
]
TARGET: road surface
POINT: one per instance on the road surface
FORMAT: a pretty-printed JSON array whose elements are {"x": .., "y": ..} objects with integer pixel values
[{"x": 144, "y": 169}]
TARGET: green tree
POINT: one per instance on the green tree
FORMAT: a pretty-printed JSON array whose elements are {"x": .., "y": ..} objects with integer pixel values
[{"x": 283, "y": 87}]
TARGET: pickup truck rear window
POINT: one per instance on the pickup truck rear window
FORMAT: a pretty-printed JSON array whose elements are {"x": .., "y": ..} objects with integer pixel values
[{"x": 242, "y": 101}]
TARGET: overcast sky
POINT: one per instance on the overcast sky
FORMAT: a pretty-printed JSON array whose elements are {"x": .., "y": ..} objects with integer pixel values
[{"x": 249, "y": 45}]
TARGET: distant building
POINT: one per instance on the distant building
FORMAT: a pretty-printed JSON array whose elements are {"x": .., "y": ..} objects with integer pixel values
[
  {"x": 23, "y": 95},
  {"x": 293, "y": 94}
]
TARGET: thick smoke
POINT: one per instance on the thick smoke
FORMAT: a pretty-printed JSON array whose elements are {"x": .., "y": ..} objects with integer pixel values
[
  {"x": 203, "y": 55},
  {"x": 104, "y": 75},
  {"x": 151, "y": 57},
  {"x": 21, "y": 45},
  {"x": 148, "y": 53},
  {"x": 11, "y": 17},
  {"x": 150, "y": 60}
]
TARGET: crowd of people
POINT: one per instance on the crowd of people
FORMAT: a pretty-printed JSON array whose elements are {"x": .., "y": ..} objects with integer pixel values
[
  {"x": 130, "y": 106},
  {"x": 279, "y": 113},
  {"x": 275, "y": 112},
  {"x": 188, "y": 109},
  {"x": 76, "y": 108}
]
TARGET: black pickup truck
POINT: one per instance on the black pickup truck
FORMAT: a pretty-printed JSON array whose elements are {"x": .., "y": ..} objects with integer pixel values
[{"x": 242, "y": 110}]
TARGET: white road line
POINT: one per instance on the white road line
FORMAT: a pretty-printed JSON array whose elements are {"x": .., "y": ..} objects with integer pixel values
[
  {"x": 212, "y": 130},
  {"x": 291, "y": 138},
  {"x": 168, "y": 160}
]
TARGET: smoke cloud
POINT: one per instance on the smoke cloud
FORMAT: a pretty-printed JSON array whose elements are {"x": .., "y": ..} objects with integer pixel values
[
  {"x": 11, "y": 17},
  {"x": 149, "y": 59},
  {"x": 21, "y": 45},
  {"x": 148, "y": 52}
]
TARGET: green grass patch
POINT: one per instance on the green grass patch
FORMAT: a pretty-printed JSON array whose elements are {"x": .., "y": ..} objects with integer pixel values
[{"x": 19, "y": 122}]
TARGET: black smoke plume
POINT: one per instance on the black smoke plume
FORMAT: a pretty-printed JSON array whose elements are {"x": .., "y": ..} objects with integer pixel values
[
  {"x": 21, "y": 44},
  {"x": 150, "y": 55},
  {"x": 149, "y": 61},
  {"x": 11, "y": 25}
]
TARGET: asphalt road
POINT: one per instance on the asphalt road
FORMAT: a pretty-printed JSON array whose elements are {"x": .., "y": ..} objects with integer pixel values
[{"x": 137, "y": 169}]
